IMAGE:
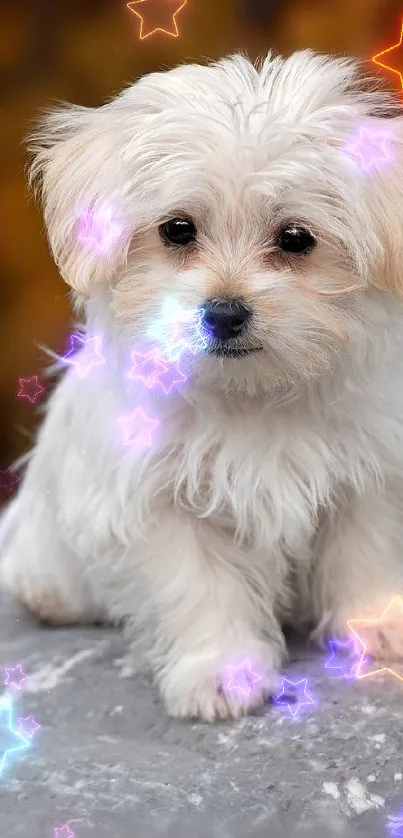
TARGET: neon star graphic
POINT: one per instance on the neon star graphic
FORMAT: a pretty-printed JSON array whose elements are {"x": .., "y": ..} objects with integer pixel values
[
  {"x": 27, "y": 726},
  {"x": 392, "y": 58},
  {"x": 344, "y": 657},
  {"x": 242, "y": 678},
  {"x": 160, "y": 374},
  {"x": 392, "y": 616},
  {"x": 98, "y": 228},
  {"x": 63, "y": 832},
  {"x": 138, "y": 428},
  {"x": 14, "y": 677},
  {"x": 167, "y": 12},
  {"x": 395, "y": 825},
  {"x": 11, "y": 740},
  {"x": 299, "y": 689},
  {"x": 30, "y": 389},
  {"x": 370, "y": 149},
  {"x": 90, "y": 357}
]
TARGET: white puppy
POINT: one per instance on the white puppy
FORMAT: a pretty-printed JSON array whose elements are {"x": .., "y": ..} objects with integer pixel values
[{"x": 272, "y": 490}]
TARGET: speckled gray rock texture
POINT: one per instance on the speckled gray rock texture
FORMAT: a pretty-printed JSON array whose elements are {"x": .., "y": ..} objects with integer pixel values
[{"x": 108, "y": 761}]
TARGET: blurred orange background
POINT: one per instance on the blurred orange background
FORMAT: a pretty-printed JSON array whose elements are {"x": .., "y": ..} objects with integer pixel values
[{"x": 85, "y": 51}]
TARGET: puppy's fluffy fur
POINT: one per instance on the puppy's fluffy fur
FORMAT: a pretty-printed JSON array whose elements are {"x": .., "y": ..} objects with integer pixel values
[{"x": 273, "y": 490}]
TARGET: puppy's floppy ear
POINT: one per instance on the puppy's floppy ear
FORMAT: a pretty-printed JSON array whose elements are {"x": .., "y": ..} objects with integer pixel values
[
  {"x": 76, "y": 169},
  {"x": 385, "y": 197}
]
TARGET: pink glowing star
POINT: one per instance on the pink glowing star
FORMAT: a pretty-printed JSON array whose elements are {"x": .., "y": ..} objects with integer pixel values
[
  {"x": 27, "y": 726},
  {"x": 242, "y": 678},
  {"x": 14, "y": 677},
  {"x": 152, "y": 371},
  {"x": 99, "y": 229},
  {"x": 30, "y": 389},
  {"x": 83, "y": 361},
  {"x": 138, "y": 428},
  {"x": 344, "y": 657},
  {"x": 370, "y": 148},
  {"x": 302, "y": 695},
  {"x": 63, "y": 832}
]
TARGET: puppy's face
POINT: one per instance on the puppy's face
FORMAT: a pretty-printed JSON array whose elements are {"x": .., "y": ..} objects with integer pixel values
[{"x": 235, "y": 192}]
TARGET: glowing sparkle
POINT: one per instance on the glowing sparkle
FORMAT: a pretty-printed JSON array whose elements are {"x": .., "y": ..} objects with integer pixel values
[
  {"x": 391, "y": 616},
  {"x": 63, "y": 832},
  {"x": 178, "y": 330},
  {"x": 30, "y": 389},
  {"x": 14, "y": 677},
  {"x": 168, "y": 11},
  {"x": 395, "y": 825},
  {"x": 242, "y": 678},
  {"x": 394, "y": 56},
  {"x": 138, "y": 428},
  {"x": 370, "y": 148},
  {"x": 84, "y": 354},
  {"x": 344, "y": 657},
  {"x": 151, "y": 370},
  {"x": 11, "y": 740},
  {"x": 98, "y": 228},
  {"x": 299, "y": 689},
  {"x": 27, "y": 726}
]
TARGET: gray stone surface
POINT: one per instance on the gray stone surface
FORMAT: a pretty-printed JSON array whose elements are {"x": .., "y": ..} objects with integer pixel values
[{"x": 110, "y": 763}]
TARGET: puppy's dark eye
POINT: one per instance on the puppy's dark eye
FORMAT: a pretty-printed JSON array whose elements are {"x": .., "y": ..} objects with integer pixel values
[
  {"x": 178, "y": 231},
  {"x": 294, "y": 239}
]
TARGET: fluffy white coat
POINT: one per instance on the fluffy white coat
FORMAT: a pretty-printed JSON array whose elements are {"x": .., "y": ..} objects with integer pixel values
[{"x": 273, "y": 490}]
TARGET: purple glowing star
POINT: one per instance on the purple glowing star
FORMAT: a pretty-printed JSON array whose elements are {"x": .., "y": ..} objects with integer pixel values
[
  {"x": 151, "y": 370},
  {"x": 63, "y": 832},
  {"x": 302, "y": 695},
  {"x": 27, "y": 726},
  {"x": 99, "y": 229},
  {"x": 343, "y": 657},
  {"x": 85, "y": 360},
  {"x": 242, "y": 678},
  {"x": 395, "y": 825},
  {"x": 370, "y": 149},
  {"x": 14, "y": 677},
  {"x": 138, "y": 428}
]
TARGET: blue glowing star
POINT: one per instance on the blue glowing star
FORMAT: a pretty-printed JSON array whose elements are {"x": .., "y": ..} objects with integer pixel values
[
  {"x": 11, "y": 740},
  {"x": 299, "y": 693},
  {"x": 343, "y": 657}
]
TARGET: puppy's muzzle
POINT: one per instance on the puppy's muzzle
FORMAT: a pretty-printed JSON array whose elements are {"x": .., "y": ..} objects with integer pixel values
[{"x": 225, "y": 319}]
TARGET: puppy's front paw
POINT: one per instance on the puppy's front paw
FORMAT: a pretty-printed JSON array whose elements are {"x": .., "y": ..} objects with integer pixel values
[{"x": 216, "y": 688}]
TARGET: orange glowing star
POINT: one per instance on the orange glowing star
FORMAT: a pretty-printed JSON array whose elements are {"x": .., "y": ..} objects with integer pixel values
[
  {"x": 392, "y": 619},
  {"x": 395, "y": 59},
  {"x": 168, "y": 11}
]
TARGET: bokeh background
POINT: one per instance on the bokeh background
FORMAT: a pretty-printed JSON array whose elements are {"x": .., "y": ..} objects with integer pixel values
[{"x": 84, "y": 51}]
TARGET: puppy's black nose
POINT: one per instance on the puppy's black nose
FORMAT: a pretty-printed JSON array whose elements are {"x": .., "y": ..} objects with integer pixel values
[{"x": 225, "y": 319}]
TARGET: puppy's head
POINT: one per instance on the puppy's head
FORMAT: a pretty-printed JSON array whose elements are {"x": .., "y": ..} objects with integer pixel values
[{"x": 269, "y": 198}]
